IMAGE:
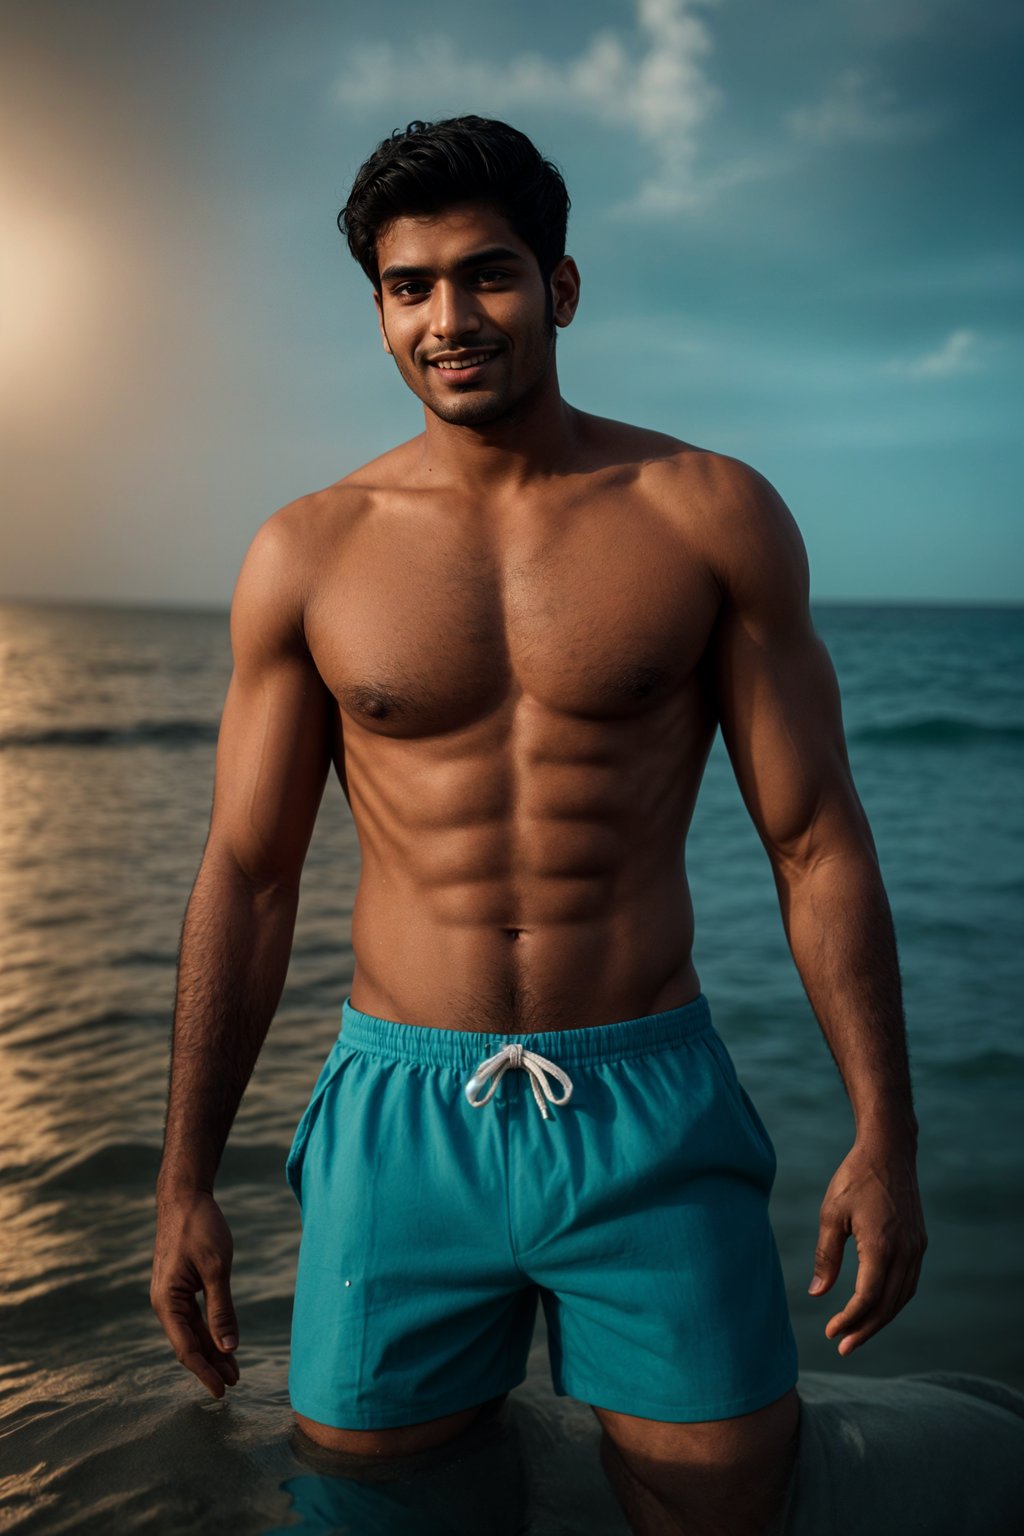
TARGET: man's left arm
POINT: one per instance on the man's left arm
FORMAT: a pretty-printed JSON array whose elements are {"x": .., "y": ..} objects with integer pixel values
[{"x": 781, "y": 720}]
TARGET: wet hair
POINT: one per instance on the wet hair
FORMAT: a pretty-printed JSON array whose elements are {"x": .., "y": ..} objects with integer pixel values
[{"x": 427, "y": 167}]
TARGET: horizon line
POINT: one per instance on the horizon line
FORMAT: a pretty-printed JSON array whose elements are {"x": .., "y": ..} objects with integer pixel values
[{"x": 224, "y": 609}]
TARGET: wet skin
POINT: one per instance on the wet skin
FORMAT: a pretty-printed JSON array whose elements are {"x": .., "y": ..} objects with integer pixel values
[{"x": 514, "y": 637}]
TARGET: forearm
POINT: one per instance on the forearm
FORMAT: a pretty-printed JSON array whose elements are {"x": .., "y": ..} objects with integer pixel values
[
  {"x": 840, "y": 931},
  {"x": 235, "y": 946}
]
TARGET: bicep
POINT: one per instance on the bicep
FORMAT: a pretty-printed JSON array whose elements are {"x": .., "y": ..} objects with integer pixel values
[
  {"x": 275, "y": 739},
  {"x": 778, "y": 696}
]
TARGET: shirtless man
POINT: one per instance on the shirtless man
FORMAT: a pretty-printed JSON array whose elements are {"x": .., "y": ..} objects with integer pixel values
[{"x": 515, "y": 636}]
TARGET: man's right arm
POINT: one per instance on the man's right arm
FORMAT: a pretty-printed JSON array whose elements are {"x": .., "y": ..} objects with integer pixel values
[{"x": 273, "y": 756}]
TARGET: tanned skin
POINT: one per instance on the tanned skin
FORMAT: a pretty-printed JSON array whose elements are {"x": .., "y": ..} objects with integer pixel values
[{"x": 514, "y": 637}]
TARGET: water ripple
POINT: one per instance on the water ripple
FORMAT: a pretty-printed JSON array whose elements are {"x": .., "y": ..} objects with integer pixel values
[
  {"x": 164, "y": 733},
  {"x": 939, "y": 730}
]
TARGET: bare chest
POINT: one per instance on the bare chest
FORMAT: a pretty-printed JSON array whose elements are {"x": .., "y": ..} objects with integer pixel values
[{"x": 421, "y": 624}]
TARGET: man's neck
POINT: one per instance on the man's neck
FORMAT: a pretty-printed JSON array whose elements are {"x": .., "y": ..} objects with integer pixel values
[{"x": 536, "y": 440}]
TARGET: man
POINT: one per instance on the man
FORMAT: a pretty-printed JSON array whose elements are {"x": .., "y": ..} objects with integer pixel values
[{"x": 515, "y": 636}]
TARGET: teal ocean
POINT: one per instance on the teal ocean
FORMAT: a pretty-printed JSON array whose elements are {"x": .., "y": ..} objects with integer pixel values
[{"x": 108, "y": 723}]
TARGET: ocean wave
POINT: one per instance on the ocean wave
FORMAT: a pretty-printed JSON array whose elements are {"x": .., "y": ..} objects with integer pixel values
[
  {"x": 133, "y": 1165},
  {"x": 993, "y": 1065},
  {"x": 114, "y": 1165},
  {"x": 164, "y": 733},
  {"x": 939, "y": 730}
]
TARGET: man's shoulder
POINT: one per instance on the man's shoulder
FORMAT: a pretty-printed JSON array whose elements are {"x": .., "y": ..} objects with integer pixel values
[
  {"x": 296, "y": 542},
  {"x": 333, "y": 509},
  {"x": 718, "y": 479},
  {"x": 708, "y": 489},
  {"x": 293, "y": 542},
  {"x": 731, "y": 515},
  {"x": 606, "y": 441}
]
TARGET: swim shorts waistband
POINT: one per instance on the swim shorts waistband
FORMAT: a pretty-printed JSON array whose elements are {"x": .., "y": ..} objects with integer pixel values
[{"x": 465, "y": 1048}]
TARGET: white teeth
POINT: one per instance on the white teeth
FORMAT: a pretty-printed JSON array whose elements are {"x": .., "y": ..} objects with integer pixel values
[{"x": 465, "y": 362}]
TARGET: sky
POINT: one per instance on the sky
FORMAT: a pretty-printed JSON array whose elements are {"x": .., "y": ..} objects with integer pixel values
[{"x": 798, "y": 225}]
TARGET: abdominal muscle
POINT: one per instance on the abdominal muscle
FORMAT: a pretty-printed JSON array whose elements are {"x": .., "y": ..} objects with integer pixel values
[
  {"x": 568, "y": 974},
  {"x": 500, "y": 893}
]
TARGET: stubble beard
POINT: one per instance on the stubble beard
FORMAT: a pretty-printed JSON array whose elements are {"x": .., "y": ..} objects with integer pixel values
[{"x": 477, "y": 410}]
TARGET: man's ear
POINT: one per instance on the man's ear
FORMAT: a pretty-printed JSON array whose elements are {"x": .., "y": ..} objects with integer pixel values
[
  {"x": 565, "y": 291},
  {"x": 380, "y": 322}
]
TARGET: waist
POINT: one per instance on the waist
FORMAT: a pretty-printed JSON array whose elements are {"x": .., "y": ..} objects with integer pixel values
[
  {"x": 614, "y": 965},
  {"x": 463, "y": 1048}
]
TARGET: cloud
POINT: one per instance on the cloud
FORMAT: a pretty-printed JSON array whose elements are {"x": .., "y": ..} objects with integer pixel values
[
  {"x": 654, "y": 84},
  {"x": 959, "y": 353},
  {"x": 854, "y": 111}
]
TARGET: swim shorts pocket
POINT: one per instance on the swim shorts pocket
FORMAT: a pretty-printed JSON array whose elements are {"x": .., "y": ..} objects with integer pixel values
[
  {"x": 336, "y": 1059},
  {"x": 720, "y": 1052}
]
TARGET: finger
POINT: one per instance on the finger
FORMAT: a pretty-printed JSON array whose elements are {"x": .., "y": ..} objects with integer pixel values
[
  {"x": 903, "y": 1274},
  {"x": 828, "y": 1256},
  {"x": 188, "y": 1350},
  {"x": 225, "y": 1365},
  {"x": 883, "y": 1312},
  {"x": 872, "y": 1276},
  {"x": 228, "y": 1368},
  {"x": 220, "y": 1311}
]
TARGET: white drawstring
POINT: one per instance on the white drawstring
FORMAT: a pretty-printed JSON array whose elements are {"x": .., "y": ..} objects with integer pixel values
[{"x": 538, "y": 1068}]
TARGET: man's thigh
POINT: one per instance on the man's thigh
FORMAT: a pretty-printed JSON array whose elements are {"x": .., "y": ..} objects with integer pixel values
[
  {"x": 650, "y": 1236},
  {"x": 357, "y": 1451},
  {"x": 427, "y": 1479},
  {"x": 409, "y": 1306},
  {"x": 723, "y": 1477}
]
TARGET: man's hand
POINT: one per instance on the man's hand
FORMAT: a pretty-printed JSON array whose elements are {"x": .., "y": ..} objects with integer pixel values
[
  {"x": 193, "y": 1252},
  {"x": 874, "y": 1196}
]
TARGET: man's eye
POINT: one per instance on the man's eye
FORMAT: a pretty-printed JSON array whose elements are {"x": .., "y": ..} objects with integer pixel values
[
  {"x": 404, "y": 288},
  {"x": 491, "y": 274}
]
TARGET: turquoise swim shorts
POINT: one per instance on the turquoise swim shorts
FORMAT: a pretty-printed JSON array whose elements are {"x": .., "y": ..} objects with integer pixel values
[{"x": 446, "y": 1179}]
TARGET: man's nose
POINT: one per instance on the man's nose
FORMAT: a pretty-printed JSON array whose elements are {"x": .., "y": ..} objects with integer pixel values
[{"x": 453, "y": 311}]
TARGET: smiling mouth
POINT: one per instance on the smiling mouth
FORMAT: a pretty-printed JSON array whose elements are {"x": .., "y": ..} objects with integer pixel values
[{"x": 470, "y": 360}]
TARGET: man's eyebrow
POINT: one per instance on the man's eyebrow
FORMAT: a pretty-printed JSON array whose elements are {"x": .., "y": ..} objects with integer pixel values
[{"x": 477, "y": 259}]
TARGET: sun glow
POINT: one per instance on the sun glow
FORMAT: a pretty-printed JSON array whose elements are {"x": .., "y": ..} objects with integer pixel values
[{"x": 49, "y": 311}]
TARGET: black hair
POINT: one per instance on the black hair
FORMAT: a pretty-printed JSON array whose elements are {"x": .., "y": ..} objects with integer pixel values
[{"x": 427, "y": 167}]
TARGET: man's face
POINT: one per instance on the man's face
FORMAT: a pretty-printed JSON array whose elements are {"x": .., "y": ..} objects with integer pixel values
[{"x": 456, "y": 286}]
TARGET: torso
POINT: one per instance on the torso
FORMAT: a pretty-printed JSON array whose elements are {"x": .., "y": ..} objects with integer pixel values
[{"x": 524, "y": 715}]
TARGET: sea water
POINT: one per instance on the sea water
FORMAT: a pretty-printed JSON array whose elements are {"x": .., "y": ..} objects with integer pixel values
[{"x": 108, "y": 724}]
